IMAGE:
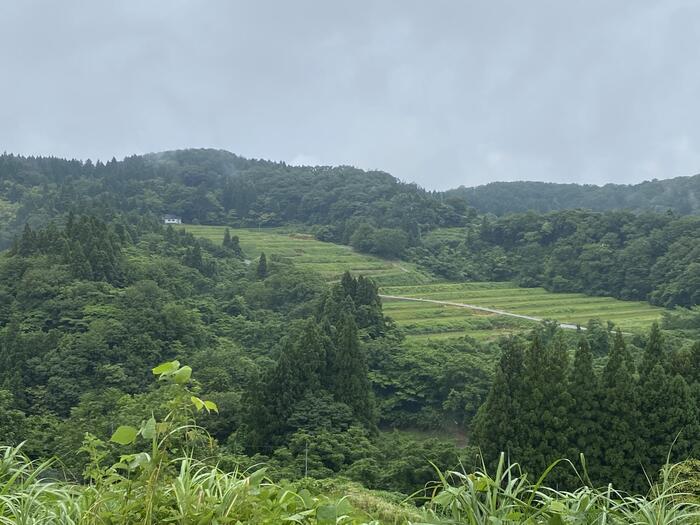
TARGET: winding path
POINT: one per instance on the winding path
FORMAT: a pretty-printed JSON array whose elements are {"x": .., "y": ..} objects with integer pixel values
[{"x": 567, "y": 326}]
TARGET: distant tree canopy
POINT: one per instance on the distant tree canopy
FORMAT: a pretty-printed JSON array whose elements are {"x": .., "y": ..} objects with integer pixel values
[
  {"x": 654, "y": 257},
  {"x": 215, "y": 187},
  {"x": 218, "y": 187},
  {"x": 680, "y": 195}
]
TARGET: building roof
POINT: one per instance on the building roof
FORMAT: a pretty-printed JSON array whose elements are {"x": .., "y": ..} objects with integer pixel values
[{"x": 169, "y": 216}]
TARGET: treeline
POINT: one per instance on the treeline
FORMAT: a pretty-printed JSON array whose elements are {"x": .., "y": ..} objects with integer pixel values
[
  {"x": 645, "y": 257},
  {"x": 627, "y": 418},
  {"x": 680, "y": 195},
  {"x": 216, "y": 187}
]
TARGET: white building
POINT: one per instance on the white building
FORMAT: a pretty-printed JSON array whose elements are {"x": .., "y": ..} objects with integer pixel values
[{"x": 171, "y": 219}]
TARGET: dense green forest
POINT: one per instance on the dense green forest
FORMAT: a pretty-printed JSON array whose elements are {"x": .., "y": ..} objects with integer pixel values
[
  {"x": 680, "y": 195},
  {"x": 267, "y": 364},
  {"x": 89, "y": 307},
  {"x": 648, "y": 256},
  {"x": 216, "y": 187},
  {"x": 653, "y": 257}
]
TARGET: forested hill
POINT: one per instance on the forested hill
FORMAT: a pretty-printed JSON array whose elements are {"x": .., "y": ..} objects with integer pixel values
[
  {"x": 680, "y": 194},
  {"x": 215, "y": 187},
  {"x": 218, "y": 187}
]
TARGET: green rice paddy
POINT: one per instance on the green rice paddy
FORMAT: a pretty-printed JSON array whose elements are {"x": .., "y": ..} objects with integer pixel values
[
  {"x": 422, "y": 320},
  {"x": 328, "y": 259},
  {"x": 426, "y": 319}
]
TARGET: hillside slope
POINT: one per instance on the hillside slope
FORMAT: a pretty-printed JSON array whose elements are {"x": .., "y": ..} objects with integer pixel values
[{"x": 215, "y": 187}]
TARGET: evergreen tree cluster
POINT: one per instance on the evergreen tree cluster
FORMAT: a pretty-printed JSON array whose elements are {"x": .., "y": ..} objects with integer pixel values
[
  {"x": 90, "y": 247},
  {"x": 625, "y": 420},
  {"x": 232, "y": 243},
  {"x": 321, "y": 377},
  {"x": 360, "y": 296}
]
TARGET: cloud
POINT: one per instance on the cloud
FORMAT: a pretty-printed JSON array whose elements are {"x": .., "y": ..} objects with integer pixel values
[
  {"x": 302, "y": 159},
  {"x": 442, "y": 93}
]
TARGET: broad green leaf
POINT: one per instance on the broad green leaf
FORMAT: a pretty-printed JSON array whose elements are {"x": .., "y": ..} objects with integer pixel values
[
  {"x": 555, "y": 519},
  {"x": 124, "y": 435},
  {"x": 148, "y": 429},
  {"x": 198, "y": 403},
  {"x": 558, "y": 506},
  {"x": 166, "y": 368},
  {"x": 210, "y": 405},
  {"x": 326, "y": 515},
  {"x": 256, "y": 477},
  {"x": 139, "y": 460},
  {"x": 183, "y": 375},
  {"x": 305, "y": 495},
  {"x": 343, "y": 507}
]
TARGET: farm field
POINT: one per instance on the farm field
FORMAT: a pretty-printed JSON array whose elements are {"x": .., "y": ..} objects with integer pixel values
[
  {"x": 422, "y": 320},
  {"x": 419, "y": 318},
  {"x": 329, "y": 260}
]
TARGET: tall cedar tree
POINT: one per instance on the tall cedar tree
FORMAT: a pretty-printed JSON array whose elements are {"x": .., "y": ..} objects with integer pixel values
[
  {"x": 669, "y": 422},
  {"x": 620, "y": 418},
  {"x": 584, "y": 414},
  {"x": 232, "y": 243},
  {"x": 366, "y": 304},
  {"x": 348, "y": 372},
  {"x": 298, "y": 373},
  {"x": 545, "y": 405},
  {"x": 262, "y": 271},
  {"x": 498, "y": 423},
  {"x": 653, "y": 352}
]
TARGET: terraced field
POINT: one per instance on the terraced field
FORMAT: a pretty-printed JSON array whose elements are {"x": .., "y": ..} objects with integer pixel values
[
  {"x": 565, "y": 307},
  {"x": 329, "y": 260},
  {"x": 423, "y": 320},
  {"x": 434, "y": 321}
]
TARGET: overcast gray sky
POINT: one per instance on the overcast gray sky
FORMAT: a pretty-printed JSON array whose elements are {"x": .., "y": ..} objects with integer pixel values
[{"x": 442, "y": 93}]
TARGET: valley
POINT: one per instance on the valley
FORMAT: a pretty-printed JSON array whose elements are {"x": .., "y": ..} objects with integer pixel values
[{"x": 431, "y": 320}]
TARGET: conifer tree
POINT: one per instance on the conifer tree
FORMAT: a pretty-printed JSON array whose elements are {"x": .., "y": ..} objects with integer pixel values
[
  {"x": 653, "y": 352},
  {"x": 545, "y": 406},
  {"x": 498, "y": 424},
  {"x": 584, "y": 414},
  {"x": 620, "y": 418},
  {"x": 170, "y": 236},
  {"x": 683, "y": 419},
  {"x": 227, "y": 239},
  {"x": 193, "y": 257},
  {"x": 349, "y": 285},
  {"x": 348, "y": 371},
  {"x": 668, "y": 415},
  {"x": 28, "y": 242},
  {"x": 262, "y": 271},
  {"x": 79, "y": 263},
  {"x": 236, "y": 246},
  {"x": 298, "y": 373}
]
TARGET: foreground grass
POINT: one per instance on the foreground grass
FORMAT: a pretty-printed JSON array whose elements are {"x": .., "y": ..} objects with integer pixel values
[{"x": 185, "y": 491}]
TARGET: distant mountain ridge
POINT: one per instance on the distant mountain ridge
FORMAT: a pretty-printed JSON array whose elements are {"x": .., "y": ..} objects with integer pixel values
[
  {"x": 680, "y": 195},
  {"x": 218, "y": 187}
]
